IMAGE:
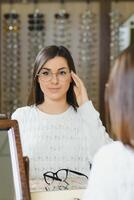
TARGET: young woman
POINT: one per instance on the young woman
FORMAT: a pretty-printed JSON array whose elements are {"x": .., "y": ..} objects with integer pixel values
[
  {"x": 59, "y": 127},
  {"x": 112, "y": 174}
]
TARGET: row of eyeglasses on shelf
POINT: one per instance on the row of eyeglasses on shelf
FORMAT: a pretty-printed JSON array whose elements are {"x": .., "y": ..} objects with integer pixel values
[
  {"x": 11, "y": 62},
  {"x": 36, "y": 41},
  {"x": 116, "y": 18}
]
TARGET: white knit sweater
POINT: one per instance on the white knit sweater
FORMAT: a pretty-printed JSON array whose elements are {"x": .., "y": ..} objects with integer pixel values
[
  {"x": 66, "y": 140},
  {"x": 112, "y": 175}
]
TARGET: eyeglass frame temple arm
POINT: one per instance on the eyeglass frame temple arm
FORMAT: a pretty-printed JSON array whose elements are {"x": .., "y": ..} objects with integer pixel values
[{"x": 78, "y": 173}]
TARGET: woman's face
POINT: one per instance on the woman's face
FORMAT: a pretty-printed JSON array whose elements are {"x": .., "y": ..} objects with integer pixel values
[{"x": 54, "y": 78}]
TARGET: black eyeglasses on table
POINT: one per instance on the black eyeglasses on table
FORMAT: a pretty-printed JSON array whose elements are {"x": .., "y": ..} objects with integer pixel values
[{"x": 60, "y": 175}]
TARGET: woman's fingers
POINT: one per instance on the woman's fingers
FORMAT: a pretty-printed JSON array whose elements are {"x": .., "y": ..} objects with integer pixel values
[
  {"x": 79, "y": 89},
  {"x": 76, "y": 90},
  {"x": 76, "y": 79}
]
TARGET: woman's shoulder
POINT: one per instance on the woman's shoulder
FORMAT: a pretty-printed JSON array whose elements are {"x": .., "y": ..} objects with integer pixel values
[{"x": 26, "y": 110}]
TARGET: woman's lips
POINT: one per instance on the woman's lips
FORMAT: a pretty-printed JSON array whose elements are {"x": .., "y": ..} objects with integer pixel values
[{"x": 54, "y": 89}]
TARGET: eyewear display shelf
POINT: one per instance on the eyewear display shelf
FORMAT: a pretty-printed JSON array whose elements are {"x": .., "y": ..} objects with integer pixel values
[{"x": 104, "y": 45}]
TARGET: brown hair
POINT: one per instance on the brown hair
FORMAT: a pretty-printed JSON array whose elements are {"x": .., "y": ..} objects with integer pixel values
[
  {"x": 120, "y": 97},
  {"x": 36, "y": 95}
]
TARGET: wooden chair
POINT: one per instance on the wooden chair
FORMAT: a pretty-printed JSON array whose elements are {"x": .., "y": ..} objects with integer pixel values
[{"x": 10, "y": 127}]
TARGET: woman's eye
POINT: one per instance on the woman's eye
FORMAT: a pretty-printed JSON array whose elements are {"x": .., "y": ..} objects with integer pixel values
[
  {"x": 45, "y": 73},
  {"x": 62, "y": 73}
]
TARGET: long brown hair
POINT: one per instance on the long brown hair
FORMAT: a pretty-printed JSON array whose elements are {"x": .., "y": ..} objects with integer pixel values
[
  {"x": 120, "y": 96},
  {"x": 36, "y": 95}
]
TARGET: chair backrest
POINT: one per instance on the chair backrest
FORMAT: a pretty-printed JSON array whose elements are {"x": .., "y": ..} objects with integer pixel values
[{"x": 13, "y": 166}]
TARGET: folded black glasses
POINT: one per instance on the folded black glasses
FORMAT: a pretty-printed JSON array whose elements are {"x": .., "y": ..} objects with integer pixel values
[{"x": 60, "y": 175}]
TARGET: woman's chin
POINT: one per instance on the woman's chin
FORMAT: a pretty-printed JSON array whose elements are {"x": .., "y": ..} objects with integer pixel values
[{"x": 56, "y": 97}]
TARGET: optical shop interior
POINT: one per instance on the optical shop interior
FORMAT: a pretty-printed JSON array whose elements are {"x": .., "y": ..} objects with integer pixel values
[{"x": 55, "y": 60}]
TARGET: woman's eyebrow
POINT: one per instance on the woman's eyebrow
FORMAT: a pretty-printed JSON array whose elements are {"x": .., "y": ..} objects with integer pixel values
[
  {"x": 62, "y": 68},
  {"x": 46, "y": 68},
  {"x": 57, "y": 69}
]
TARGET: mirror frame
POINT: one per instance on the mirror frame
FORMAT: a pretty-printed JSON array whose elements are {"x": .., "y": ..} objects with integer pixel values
[{"x": 7, "y": 124}]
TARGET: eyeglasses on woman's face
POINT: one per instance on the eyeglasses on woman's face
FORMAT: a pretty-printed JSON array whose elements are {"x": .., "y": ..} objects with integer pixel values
[
  {"x": 60, "y": 175},
  {"x": 47, "y": 75}
]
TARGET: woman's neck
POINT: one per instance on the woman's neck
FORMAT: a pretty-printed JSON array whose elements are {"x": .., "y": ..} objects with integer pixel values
[{"x": 53, "y": 107}]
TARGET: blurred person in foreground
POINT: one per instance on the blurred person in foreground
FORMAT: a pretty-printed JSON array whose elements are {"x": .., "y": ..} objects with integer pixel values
[{"x": 112, "y": 174}]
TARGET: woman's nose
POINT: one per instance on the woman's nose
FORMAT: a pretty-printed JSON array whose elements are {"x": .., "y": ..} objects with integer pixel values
[{"x": 54, "y": 78}]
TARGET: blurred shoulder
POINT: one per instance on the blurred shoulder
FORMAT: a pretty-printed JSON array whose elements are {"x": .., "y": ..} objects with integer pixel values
[
  {"x": 110, "y": 150},
  {"x": 115, "y": 150}
]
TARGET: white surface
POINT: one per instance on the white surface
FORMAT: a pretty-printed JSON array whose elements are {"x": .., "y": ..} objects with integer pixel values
[
  {"x": 58, "y": 195},
  {"x": 73, "y": 184}
]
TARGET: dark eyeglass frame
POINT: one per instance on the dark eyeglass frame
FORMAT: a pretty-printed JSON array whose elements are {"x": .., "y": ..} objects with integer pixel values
[{"x": 55, "y": 175}]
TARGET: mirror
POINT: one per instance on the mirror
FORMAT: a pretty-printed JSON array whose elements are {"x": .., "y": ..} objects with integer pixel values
[{"x": 14, "y": 184}]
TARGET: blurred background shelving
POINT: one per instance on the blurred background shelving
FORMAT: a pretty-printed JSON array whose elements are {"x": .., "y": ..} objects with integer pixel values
[{"x": 95, "y": 32}]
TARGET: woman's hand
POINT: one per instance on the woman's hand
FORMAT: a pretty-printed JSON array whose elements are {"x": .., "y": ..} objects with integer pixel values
[{"x": 79, "y": 89}]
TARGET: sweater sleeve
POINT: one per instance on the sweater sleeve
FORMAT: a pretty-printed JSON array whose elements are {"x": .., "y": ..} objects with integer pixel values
[
  {"x": 91, "y": 118},
  {"x": 88, "y": 112}
]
